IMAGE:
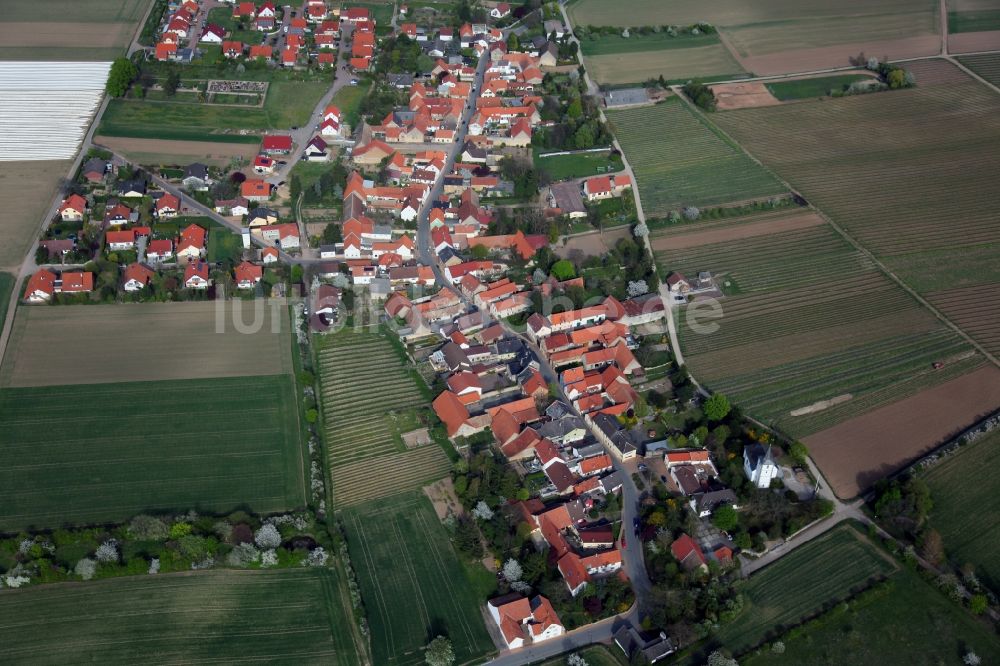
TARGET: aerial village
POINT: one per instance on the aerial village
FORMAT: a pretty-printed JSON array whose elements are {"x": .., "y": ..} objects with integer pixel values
[{"x": 563, "y": 378}]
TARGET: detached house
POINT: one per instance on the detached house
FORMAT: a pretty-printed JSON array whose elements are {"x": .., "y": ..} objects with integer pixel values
[
  {"x": 254, "y": 189},
  {"x": 159, "y": 250},
  {"x": 41, "y": 286},
  {"x": 137, "y": 277},
  {"x": 167, "y": 206},
  {"x": 522, "y": 621},
  {"x": 248, "y": 275},
  {"x": 191, "y": 244},
  {"x": 120, "y": 240},
  {"x": 605, "y": 187},
  {"x": 73, "y": 208},
  {"x": 196, "y": 275}
]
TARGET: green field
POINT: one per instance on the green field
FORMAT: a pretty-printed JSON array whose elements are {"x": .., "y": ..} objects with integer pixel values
[
  {"x": 105, "y": 452},
  {"x": 412, "y": 582},
  {"x": 807, "y": 318},
  {"x": 966, "y": 538},
  {"x": 679, "y": 160},
  {"x": 93, "y": 11},
  {"x": 577, "y": 165},
  {"x": 974, "y": 21},
  {"x": 349, "y": 100},
  {"x": 7, "y": 284},
  {"x": 817, "y": 87},
  {"x": 206, "y": 617},
  {"x": 908, "y": 623},
  {"x": 365, "y": 420},
  {"x": 802, "y": 583},
  {"x": 986, "y": 66},
  {"x": 288, "y": 104},
  {"x": 593, "y": 45}
]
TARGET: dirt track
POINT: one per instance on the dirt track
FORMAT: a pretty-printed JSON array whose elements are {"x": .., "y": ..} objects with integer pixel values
[{"x": 856, "y": 453}]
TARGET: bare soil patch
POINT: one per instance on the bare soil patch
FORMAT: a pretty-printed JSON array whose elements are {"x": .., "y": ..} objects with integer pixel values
[
  {"x": 970, "y": 42},
  {"x": 26, "y": 190},
  {"x": 90, "y": 35},
  {"x": 803, "y": 60},
  {"x": 820, "y": 405},
  {"x": 416, "y": 438},
  {"x": 596, "y": 243},
  {"x": 743, "y": 96},
  {"x": 857, "y": 453},
  {"x": 161, "y": 152},
  {"x": 96, "y": 344},
  {"x": 751, "y": 230},
  {"x": 442, "y": 496}
]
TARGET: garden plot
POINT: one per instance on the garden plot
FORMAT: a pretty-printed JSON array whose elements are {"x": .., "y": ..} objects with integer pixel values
[{"x": 46, "y": 107}]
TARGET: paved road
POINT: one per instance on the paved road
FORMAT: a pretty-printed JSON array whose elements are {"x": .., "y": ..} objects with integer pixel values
[{"x": 598, "y": 632}]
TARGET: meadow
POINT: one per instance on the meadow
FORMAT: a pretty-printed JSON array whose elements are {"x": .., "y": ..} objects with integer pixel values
[
  {"x": 973, "y": 16},
  {"x": 819, "y": 86},
  {"x": 906, "y": 622},
  {"x": 577, "y": 165},
  {"x": 204, "y": 617},
  {"x": 110, "y": 451},
  {"x": 86, "y": 344},
  {"x": 369, "y": 399},
  {"x": 288, "y": 104},
  {"x": 412, "y": 582},
  {"x": 689, "y": 165},
  {"x": 807, "y": 318},
  {"x": 967, "y": 539},
  {"x": 814, "y": 576}
]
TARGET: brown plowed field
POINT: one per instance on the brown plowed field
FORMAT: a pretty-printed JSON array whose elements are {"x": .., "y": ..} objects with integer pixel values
[
  {"x": 764, "y": 227},
  {"x": 808, "y": 59},
  {"x": 157, "y": 152},
  {"x": 97, "y": 35},
  {"x": 27, "y": 189},
  {"x": 936, "y": 72},
  {"x": 856, "y": 453},
  {"x": 96, "y": 344},
  {"x": 970, "y": 42}
]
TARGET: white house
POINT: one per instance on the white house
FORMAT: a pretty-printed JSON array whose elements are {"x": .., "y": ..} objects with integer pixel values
[{"x": 759, "y": 466}]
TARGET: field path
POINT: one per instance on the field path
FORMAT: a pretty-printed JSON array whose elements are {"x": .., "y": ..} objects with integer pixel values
[{"x": 943, "y": 25}]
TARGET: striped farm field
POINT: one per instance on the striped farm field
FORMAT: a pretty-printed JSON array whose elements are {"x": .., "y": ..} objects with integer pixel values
[
  {"x": 986, "y": 66},
  {"x": 976, "y": 310},
  {"x": 801, "y": 584},
  {"x": 103, "y": 453},
  {"x": 290, "y": 615},
  {"x": 808, "y": 319},
  {"x": 370, "y": 398},
  {"x": 412, "y": 582},
  {"x": 680, "y": 160},
  {"x": 938, "y": 145}
]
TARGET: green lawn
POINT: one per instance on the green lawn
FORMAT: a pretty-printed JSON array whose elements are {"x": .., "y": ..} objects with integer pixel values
[
  {"x": 104, "y": 452},
  {"x": 689, "y": 165},
  {"x": 349, "y": 100},
  {"x": 610, "y": 44},
  {"x": 974, "y": 21},
  {"x": 802, "y": 583},
  {"x": 817, "y": 87},
  {"x": 223, "y": 244},
  {"x": 209, "y": 617},
  {"x": 577, "y": 165},
  {"x": 288, "y": 104},
  {"x": 411, "y": 581},
  {"x": 959, "y": 506},
  {"x": 223, "y": 16},
  {"x": 594, "y": 655},
  {"x": 908, "y": 623}
]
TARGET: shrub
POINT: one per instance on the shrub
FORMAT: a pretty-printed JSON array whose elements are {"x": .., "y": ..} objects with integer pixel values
[
  {"x": 269, "y": 558},
  {"x": 148, "y": 528},
  {"x": 180, "y": 529},
  {"x": 242, "y": 555},
  {"x": 85, "y": 568},
  {"x": 107, "y": 552}
]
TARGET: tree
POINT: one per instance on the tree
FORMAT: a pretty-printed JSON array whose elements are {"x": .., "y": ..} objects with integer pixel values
[
  {"x": 297, "y": 272},
  {"x": 896, "y": 79},
  {"x": 640, "y": 230},
  {"x": 717, "y": 658},
  {"x": 798, "y": 452},
  {"x": 512, "y": 571},
  {"x": 971, "y": 659},
  {"x": 978, "y": 604},
  {"x": 479, "y": 251},
  {"x": 123, "y": 73},
  {"x": 483, "y": 511},
  {"x": 147, "y": 528},
  {"x": 575, "y": 108},
  {"x": 932, "y": 547},
  {"x": 267, "y": 537},
  {"x": 513, "y": 43},
  {"x": 172, "y": 83},
  {"x": 563, "y": 270},
  {"x": 85, "y": 568},
  {"x": 439, "y": 652},
  {"x": 725, "y": 518},
  {"x": 716, "y": 407},
  {"x": 637, "y": 288}
]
